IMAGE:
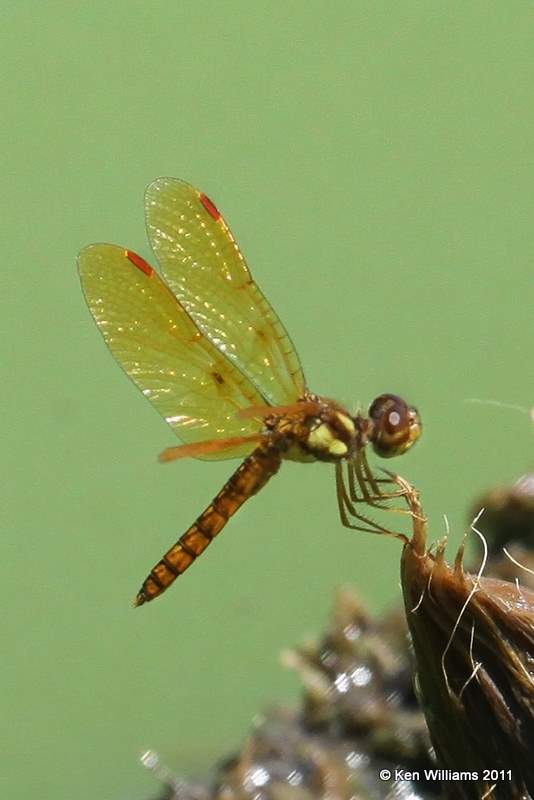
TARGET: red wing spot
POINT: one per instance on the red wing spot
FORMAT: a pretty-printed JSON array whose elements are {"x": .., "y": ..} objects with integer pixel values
[
  {"x": 139, "y": 262},
  {"x": 210, "y": 207}
]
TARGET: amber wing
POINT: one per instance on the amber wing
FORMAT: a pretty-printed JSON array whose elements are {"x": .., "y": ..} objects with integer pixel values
[
  {"x": 207, "y": 272},
  {"x": 192, "y": 385}
]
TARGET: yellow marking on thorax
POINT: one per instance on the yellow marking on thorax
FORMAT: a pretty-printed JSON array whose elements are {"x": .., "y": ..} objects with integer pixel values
[
  {"x": 346, "y": 421},
  {"x": 322, "y": 439},
  {"x": 338, "y": 448}
]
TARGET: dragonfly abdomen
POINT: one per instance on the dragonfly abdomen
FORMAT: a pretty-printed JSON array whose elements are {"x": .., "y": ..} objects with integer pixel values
[{"x": 248, "y": 479}]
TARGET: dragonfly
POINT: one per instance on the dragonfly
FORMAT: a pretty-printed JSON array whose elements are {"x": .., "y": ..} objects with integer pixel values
[{"x": 209, "y": 352}]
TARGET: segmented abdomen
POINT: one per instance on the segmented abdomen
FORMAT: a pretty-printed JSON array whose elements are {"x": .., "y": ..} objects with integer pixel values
[{"x": 248, "y": 479}]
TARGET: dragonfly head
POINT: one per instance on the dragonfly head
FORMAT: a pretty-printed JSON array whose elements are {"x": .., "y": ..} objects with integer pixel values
[{"x": 395, "y": 426}]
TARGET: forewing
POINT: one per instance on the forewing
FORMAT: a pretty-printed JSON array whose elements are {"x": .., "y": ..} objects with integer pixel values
[
  {"x": 205, "y": 269},
  {"x": 195, "y": 389}
]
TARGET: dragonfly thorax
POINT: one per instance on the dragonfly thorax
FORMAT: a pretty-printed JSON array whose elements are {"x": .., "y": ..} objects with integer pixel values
[
  {"x": 330, "y": 435},
  {"x": 332, "y": 439}
]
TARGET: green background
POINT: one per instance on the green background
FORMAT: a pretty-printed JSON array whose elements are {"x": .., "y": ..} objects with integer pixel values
[{"x": 376, "y": 163}]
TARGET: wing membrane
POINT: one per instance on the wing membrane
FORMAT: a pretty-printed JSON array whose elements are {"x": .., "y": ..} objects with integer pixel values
[
  {"x": 205, "y": 269},
  {"x": 190, "y": 383}
]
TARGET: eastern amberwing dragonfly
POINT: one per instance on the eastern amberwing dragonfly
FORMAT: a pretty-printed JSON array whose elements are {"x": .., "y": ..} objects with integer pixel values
[{"x": 209, "y": 352}]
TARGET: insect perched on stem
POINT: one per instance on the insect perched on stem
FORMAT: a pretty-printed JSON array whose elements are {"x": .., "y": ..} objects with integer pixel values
[{"x": 208, "y": 351}]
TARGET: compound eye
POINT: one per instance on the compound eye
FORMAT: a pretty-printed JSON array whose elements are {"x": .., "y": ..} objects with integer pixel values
[{"x": 396, "y": 426}]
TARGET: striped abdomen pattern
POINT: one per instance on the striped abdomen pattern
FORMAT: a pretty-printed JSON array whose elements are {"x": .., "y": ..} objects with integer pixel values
[{"x": 248, "y": 479}]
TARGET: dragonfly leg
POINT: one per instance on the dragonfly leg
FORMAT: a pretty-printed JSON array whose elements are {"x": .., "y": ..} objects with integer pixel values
[
  {"x": 346, "y": 508},
  {"x": 371, "y": 492}
]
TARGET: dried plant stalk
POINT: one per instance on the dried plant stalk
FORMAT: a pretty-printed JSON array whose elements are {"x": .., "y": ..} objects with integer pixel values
[{"x": 473, "y": 639}]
